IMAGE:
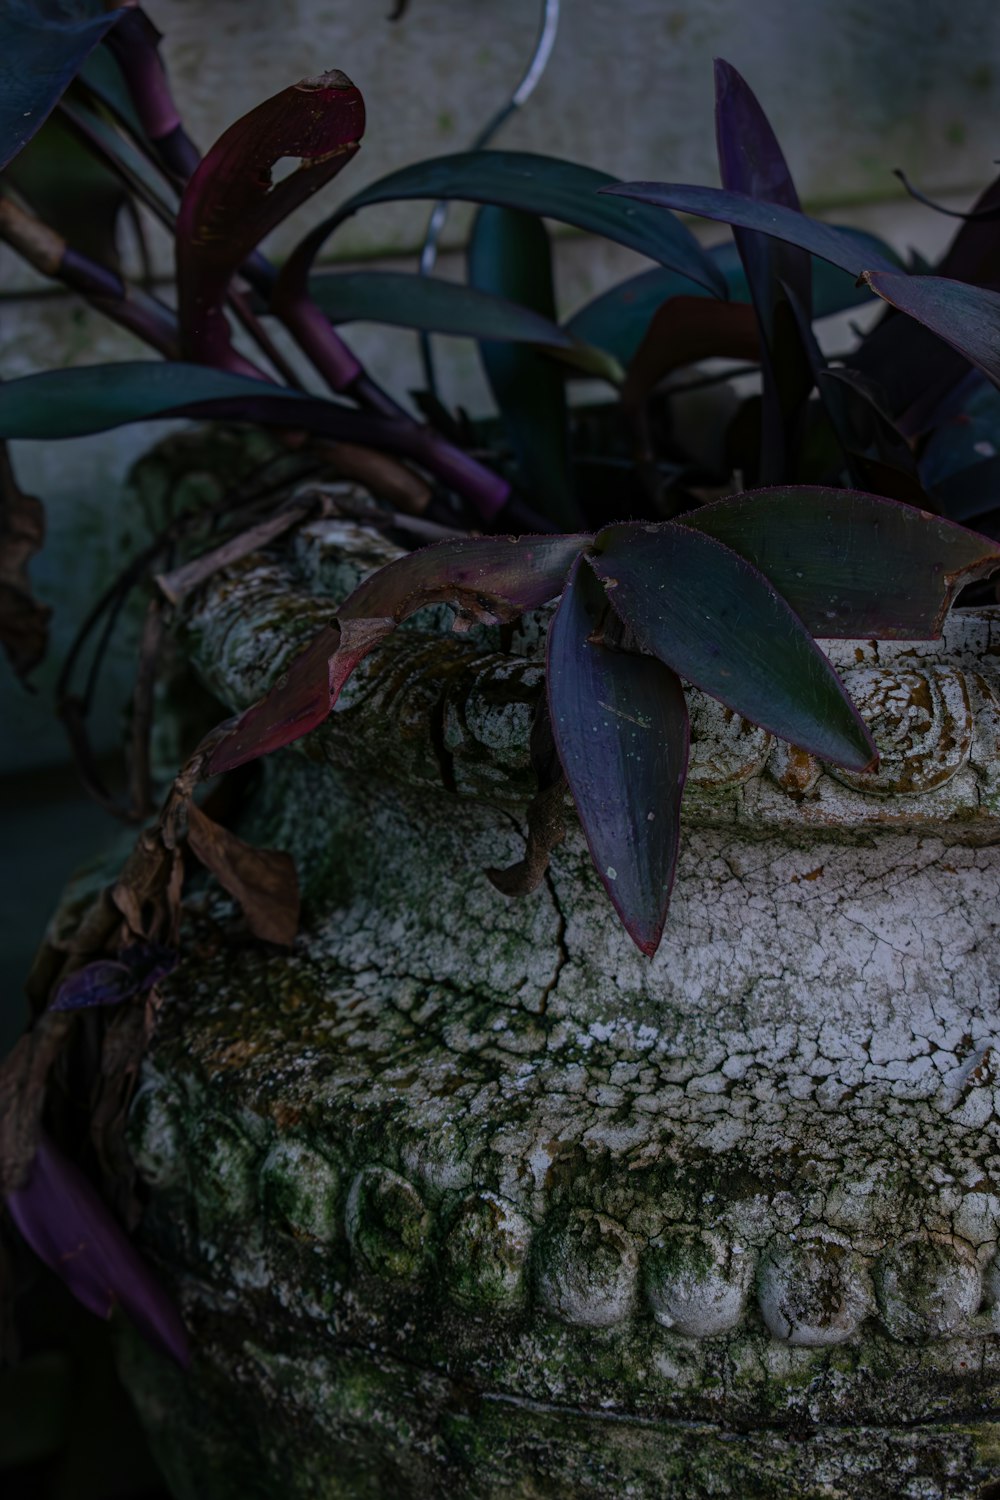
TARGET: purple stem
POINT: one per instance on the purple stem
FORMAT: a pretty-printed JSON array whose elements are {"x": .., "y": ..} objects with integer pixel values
[{"x": 129, "y": 307}]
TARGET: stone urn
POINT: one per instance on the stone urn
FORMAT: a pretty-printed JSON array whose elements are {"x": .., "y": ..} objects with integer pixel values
[{"x": 462, "y": 1196}]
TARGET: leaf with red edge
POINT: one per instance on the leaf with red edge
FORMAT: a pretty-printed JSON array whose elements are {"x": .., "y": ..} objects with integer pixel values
[
  {"x": 966, "y": 317},
  {"x": 500, "y": 575},
  {"x": 544, "y": 185},
  {"x": 852, "y": 564},
  {"x": 486, "y": 578},
  {"x": 232, "y": 201},
  {"x": 263, "y": 881},
  {"x": 718, "y": 622},
  {"x": 61, "y": 1216},
  {"x": 620, "y": 725}
]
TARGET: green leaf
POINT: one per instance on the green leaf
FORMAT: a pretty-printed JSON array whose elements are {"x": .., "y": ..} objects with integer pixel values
[
  {"x": 70, "y": 191},
  {"x": 851, "y": 564},
  {"x": 405, "y": 300},
  {"x": 541, "y": 185},
  {"x": 620, "y": 726},
  {"x": 510, "y": 256},
  {"x": 717, "y": 621},
  {"x": 41, "y": 50}
]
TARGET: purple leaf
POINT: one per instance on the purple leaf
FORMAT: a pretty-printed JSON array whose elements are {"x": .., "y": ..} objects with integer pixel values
[
  {"x": 232, "y": 201},
  {"x": 848, "y": 563},
  {"x": 483, "y": 577},
  {"x": 109, "y": 981},
  {"x": 751, "y": 162},
  {"x": 717, "y": 621},
  {"x": 63, "y": 1219},
  {"x": 966, "y": 317},
  {"x": 841, "y": 248},
  {"x": 620, "y": 725}
]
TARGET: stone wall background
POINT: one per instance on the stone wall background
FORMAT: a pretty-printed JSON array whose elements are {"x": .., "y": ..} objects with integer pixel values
[{"x": 852, "y": 90}]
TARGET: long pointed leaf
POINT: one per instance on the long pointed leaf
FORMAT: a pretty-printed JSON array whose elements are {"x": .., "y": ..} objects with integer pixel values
[
  {"x": 540, "y": 185},
  {"x": 94, "y": 398},
  {"x": 509, "y": 255},
  {"x": 751, "y": 162},
  {"x": 41, "y": 50},
  {"x": 840, "y": 247},
  {"x": 60, "y": 1214},
  {"x": 620, "y": 725},
  {"x": 851, "y": 564},
  {"x": 406, "y": 300},
  {"x": 717, "y": 621},
  {"x": 966, "y": 317}
]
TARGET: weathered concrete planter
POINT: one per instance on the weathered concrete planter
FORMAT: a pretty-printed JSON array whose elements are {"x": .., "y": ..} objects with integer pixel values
[{"x": 464, "y": 1197}]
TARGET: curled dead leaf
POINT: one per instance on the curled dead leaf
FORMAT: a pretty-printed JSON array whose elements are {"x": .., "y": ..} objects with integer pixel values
[{"x": 263, "y": 881}]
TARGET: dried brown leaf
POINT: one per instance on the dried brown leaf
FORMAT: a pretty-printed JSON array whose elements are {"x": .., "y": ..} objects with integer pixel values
[{"x": 263, "y": 881}]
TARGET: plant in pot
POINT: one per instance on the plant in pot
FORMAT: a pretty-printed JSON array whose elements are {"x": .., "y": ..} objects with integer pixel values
[{"x": 487, "y": 1192}]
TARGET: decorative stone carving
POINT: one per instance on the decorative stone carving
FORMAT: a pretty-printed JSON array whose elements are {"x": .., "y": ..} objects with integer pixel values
[
  {"x": 486, "y": 1254},
  {"x": 814, "y": 1293},
  {"x": 922, "y": 724},
  {"x": 928, "y": 1287},
  {"x": 696, "y": 1282},
  {"x": 523, "y": 1212},
  {"x": 589, "y": 1270}
]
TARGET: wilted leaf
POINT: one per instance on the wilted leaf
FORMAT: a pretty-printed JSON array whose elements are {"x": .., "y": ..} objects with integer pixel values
[
  {"x": 620, "y": 726},
  {"x": 848, "y": 563},
  {"x": 500, "y": 576},
  {"x": 24, "y": 623},
  {"x": 232, "y": 201},
  {"x": 545, "y": 817},
  {"x": 718, "y": 622},
  {"x": 61, "y": 1216},
  {"x": 41, "y": 49},
  {"x": 263, "y": 881}
]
